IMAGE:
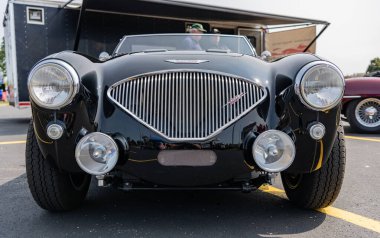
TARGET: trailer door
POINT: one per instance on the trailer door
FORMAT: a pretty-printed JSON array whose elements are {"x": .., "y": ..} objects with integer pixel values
[
  {"x": 288, "y": 42},
  {"x": 10, "y": 55}
]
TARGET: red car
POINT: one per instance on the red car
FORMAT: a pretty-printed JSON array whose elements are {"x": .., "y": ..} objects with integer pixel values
[{"x": 361, "y": 104}]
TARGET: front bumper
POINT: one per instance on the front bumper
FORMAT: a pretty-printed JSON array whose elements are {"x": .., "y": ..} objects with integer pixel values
[{"x": 232, "y": 145}]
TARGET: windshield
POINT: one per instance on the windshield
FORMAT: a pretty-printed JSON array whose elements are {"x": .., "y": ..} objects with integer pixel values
[{"x": 186, "y": 42}]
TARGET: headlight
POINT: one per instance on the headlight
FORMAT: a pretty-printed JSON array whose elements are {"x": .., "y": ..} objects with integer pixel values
[
  {"x": 320, "y": 85},
  {"x": 53, "y": 84}
]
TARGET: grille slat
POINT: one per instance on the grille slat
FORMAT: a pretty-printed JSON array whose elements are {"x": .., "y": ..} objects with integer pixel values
[
  {"x": 198, "y": 106},
  {"x": 202, "y": 104},
  {"x": 186, "y": 106},
  {"x": 181, "y": 104}
]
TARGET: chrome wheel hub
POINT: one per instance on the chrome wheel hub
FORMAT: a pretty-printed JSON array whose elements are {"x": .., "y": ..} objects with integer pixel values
[
  {"x": 367, "y": 112},
  {"x": 370, "y": 112}
]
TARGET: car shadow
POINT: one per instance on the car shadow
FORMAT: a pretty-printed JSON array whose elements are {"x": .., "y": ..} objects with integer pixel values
[{"x": 110, "y": 212}]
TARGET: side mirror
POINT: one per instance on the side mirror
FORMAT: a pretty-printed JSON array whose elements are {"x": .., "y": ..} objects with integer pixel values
[
  {"x": 265, "y": 55},
  {"x": 104, "y": 56}
]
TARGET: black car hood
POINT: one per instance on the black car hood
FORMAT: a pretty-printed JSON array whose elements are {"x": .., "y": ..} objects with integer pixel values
[
  {"x": 249, "y": 67},
  {"x": 100, "y": 74}
]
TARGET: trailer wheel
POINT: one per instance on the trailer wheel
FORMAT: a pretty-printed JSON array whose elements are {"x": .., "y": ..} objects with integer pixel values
[
  {"x": 320, "y": 188},
  {"x": 52, "y": 189}
]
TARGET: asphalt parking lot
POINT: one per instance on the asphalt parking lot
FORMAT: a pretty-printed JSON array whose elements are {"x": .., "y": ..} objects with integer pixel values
[{"x": 265, "y": 213}]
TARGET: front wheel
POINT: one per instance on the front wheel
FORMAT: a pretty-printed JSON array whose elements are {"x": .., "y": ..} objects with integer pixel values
[
  {"x": 52, "y": 189},
  {"x": 364, "y": 115},
  {"x": 320, "y": 188}
]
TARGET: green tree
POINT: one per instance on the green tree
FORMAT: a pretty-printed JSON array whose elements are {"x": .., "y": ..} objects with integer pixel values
[
  {"x": 2, "y": 58},
  {"x": 374, "y": 65}
]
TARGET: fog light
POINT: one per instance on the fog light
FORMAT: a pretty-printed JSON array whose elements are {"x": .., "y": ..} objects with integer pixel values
[
  {"x": 96, "y": 153},
  {"x": 273, "y": 151},
  {"x": 54, "y": 131},
  {"x": 317, "y": 131}
]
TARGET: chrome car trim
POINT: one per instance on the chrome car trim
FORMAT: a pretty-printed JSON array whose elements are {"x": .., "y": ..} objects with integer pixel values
[
  {"x": 301, "y": 74},
  {"x": 352, "y": 97},
  {"x": 254, "y": 53},
  {"x": 177, "y": 61},
  {"x": 73, "y": 77},
  {"x": 172, "y": 102}
]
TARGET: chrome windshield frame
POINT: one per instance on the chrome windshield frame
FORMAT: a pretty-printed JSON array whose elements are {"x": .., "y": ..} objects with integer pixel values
[{"x": 253, "y": 51}]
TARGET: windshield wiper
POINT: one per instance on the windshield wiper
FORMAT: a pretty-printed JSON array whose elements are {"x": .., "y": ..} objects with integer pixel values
[{"x": 142, "y": 51}]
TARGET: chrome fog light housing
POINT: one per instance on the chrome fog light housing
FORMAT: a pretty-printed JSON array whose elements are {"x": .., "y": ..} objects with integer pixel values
[
  {"x": 273, "y": 151},
  {"x": 320, "y": 85},
  {"x": 55, "y": 131},
  {"x": 317, "y": 131},
  {"x": 52, "y": 84},
  {"x": 96, "y": 153}
]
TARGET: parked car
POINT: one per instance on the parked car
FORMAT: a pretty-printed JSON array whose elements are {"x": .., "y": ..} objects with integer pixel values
[
  {"x": 155, "y": 115},
  {"x": 373, "y": 74},
  {"x": 361, "y": 104}
]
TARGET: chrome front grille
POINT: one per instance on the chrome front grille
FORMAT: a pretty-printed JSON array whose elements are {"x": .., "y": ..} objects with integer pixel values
[{"x": 186, "y": 105}]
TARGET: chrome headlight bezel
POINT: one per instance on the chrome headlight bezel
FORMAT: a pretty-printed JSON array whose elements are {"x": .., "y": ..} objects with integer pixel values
[
  {"x": 73, "y": 82},
  {"x": 299, "y": 87}
]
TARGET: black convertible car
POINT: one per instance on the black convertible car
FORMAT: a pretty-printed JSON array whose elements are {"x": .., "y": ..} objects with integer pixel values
[{"x": 158, "y": 115}]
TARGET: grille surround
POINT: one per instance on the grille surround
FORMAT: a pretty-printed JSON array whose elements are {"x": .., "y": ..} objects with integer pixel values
[{"x": 118, "y": 93}]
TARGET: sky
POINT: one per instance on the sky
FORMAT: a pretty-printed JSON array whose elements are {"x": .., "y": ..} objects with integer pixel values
[{"x": 351, "y": 41}]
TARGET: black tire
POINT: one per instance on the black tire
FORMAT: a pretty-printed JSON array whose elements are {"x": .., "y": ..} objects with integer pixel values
[
  {"x": 320, "y": 188},
  {"x": 52, "y": 189},
  {"x": 359, "y": 125}
]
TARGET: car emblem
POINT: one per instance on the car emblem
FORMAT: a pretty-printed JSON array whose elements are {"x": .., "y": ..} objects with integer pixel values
[
  {"x": 235, "y": 99},
  {"x": 175, "y": 61}
]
